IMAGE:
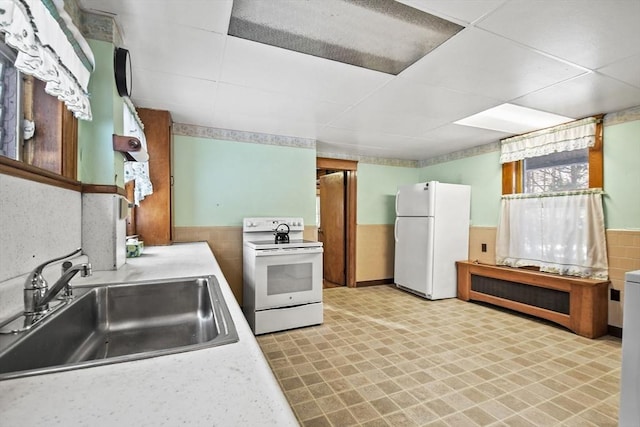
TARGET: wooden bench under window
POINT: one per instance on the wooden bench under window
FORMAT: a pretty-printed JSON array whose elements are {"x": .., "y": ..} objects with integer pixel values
[{"x": 580, "y": 305}]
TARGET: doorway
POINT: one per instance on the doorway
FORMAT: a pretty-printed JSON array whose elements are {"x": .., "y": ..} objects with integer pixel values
[{"x": 336, "y": 196}]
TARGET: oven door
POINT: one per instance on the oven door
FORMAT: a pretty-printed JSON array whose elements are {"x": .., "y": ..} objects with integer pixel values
[{"x": 287, "y": 277}]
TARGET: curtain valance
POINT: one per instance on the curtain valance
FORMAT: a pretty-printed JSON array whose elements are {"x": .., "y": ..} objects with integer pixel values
[
  {"x": 566, "y": 137},
  {"x": 51, "y": 49}
]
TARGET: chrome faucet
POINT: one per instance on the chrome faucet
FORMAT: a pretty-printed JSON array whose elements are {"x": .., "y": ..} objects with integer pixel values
[{"x": 37, "y": 294}]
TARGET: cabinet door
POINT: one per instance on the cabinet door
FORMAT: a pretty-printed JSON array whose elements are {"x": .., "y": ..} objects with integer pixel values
[{"x": 153, "y": 216}]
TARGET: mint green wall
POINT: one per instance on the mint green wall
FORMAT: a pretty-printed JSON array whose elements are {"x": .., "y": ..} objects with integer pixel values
[
  {"x": 217, "y": 183},
  {"x": 622, "y": 175},
  {"x": 483, "y": 173},
  {"x": 377, "y": 186},
  {"x": 97, "y": 162},
  {"x": 118, "y": 129}
]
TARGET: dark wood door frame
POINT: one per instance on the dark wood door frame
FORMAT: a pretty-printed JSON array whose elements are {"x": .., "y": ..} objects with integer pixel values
[{"x": 351, "y": 168}]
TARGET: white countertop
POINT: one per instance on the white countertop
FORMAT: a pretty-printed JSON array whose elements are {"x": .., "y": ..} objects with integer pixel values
[{"x": 231, "y": 385}]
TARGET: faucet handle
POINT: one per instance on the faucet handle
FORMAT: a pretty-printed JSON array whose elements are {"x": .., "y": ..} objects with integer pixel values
[
  {"x": 35, "y": 279},
  {"x": 38, "y": 269}
]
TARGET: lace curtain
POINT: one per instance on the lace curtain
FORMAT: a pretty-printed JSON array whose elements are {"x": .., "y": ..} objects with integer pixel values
[
  {"x": 51, "y": 49},
  {"x": 567, "y": 137},
  {"x": 561, "y": 233},
  {"x": 138, "y": 170}
]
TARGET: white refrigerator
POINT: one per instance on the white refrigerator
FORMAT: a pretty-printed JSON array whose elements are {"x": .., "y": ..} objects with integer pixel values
[{"x": 431, "y": 234}]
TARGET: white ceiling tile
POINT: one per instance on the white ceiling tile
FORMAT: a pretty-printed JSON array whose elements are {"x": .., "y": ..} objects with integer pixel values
[
  {"x": 479, "y": 62},
  {"x": 410, "y": 109},
  {"x": 181, "y": 89},
  {"x": 366, "y": 143},
  {"x": 366, "y": 138},
  {"x": 173, "y": 49},
  {"x": 210, "y": 15},
  {"x": 257, "y": 65},
  {"x": 457, "y": 137},
  {"x": 459, "y": 11},
  {"x": 627, "y": 70},
  {"x": 583, "y": 96},
  {"x": 590, "y": 33},
  {"x": 256, "y": 110},
  {"x": 180, "y": 113}
]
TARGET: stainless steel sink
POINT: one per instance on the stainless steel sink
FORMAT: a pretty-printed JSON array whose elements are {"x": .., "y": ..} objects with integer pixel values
[{"x": 122, "y": 322}]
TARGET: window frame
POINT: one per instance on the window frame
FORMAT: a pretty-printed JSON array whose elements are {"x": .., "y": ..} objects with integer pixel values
[
  {"x": 512, "y": 172},
  {"x": 59, "y": 122}
]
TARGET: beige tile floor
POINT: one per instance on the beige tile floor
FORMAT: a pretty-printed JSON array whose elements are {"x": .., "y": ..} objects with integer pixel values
[{"x": 386, "y": 357}]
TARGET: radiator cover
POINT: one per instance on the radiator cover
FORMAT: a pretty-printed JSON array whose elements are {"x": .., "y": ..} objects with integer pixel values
[{"x": 549, "y": 299}]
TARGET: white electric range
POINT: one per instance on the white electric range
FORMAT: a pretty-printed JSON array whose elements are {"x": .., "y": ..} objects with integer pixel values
[{"x": 282, "y": 286}]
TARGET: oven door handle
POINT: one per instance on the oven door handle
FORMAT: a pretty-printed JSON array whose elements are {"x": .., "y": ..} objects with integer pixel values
[{"x": 281, "y": 252}]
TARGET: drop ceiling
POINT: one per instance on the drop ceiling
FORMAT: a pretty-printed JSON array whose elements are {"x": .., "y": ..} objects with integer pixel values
[{"x": 574, "y": 58}]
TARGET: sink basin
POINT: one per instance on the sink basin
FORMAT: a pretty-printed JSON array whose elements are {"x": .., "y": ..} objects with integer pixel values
[{"x": 121, "y": 322}]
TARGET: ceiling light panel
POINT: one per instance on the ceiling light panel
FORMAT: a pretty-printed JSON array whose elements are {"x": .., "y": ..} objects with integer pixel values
[
  {"x": 381, "y": 35},
  {"x": 513, "y": 119}
]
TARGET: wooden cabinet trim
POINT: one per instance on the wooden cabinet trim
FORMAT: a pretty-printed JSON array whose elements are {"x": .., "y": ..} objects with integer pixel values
[
  {"x": 337, "y": 164},
  {"x": 104, "y": 189},
  {"x": 32, "y": 173}
]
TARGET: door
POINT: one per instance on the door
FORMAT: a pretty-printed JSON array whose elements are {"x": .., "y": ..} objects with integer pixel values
[
  {"x": 413, "y": 266},
  {"x": 332, "y": 226}
]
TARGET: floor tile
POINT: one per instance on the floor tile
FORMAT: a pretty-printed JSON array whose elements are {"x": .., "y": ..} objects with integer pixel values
[{"x": 384, "y": 357}]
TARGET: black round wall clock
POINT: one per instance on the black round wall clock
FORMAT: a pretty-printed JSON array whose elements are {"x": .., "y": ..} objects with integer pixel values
[{"x": 122, "y": 70}]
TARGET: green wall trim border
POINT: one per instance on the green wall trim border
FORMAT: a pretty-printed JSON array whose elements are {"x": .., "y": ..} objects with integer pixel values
[
  {"x": 628, "y": 115},
  {"x": 100, "y": 27},
  {"x": 462, "y": 154},
  {"x": 241, "y": 136},
  {"x": 371, "y": 160}
]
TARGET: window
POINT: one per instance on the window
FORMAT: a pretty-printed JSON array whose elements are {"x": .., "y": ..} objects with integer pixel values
[
  {"x": 557, "y": 225},
  {"x": 568, "y": 170},
  {"x": 36, "y": 128},
  {"x": 9, "y": 104},
  {"x": 559, "y": 171}
]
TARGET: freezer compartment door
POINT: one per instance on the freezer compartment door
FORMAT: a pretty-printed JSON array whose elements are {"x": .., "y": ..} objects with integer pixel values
[
  {"x": 416, "y": 199},
  {"x": 413, "y": 267}
]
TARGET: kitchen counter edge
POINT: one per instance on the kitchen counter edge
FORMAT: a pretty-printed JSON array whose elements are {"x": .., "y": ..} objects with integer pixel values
[{"x": 230, "y": 385}]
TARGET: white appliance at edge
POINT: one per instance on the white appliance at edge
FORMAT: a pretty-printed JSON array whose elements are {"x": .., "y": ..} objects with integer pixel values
[
  {"x": 431, "y": 234},
  {"x": 630, "y": 374}
]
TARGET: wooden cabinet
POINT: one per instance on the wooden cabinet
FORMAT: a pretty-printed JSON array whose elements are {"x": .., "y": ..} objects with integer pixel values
[
  {"x": 585, "y": 314},
  {"x": 153, "y": 220}
]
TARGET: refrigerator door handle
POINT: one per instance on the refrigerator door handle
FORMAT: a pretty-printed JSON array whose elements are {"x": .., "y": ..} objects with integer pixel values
[
  {"x": 397, "y": 197},
  {"x": 395, "y": 231}
]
